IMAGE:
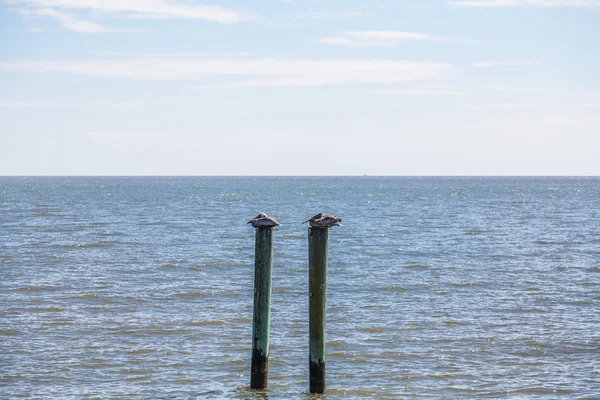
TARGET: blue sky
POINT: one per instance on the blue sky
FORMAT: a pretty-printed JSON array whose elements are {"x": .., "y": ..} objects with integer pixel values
[{"x": 299, "y": 87}]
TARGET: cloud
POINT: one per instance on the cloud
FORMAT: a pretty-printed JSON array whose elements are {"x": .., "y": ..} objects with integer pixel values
[
  {"x": 235, "y": 103},
  {"x": 490, "y": 64},
  {"x": 512, "y": 3},
  {"x": 385, "y": 38},
  {"x": 419, "y": 92},
  {"x": 119, "y": 135},
  {"x": 51, "y": 104},
  {"x": 515, "y": 88},
  {"x": 503, "y": 106},
  {"x": 170, "y": 55},
  {"x": 331, "y": 15},
  {"x": 69, "y": 21},
  {"x": 236, "y": 71},
  {"x": 145, "y": 9}
]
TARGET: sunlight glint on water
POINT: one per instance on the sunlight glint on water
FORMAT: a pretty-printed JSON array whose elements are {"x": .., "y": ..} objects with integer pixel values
[{"x": 437, "y": 287}]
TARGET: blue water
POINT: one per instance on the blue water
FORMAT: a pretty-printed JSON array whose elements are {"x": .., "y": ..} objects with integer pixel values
[{"x": 437, "y": 287}]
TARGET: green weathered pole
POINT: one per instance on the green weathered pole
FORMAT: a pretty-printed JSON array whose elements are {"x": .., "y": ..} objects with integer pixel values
[
  {"x": 317, "y": 281},
  {"x": 263, "y": 262}
]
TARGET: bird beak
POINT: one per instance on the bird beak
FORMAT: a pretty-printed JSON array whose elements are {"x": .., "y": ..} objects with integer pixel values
[{"x": 306, "y": 221}]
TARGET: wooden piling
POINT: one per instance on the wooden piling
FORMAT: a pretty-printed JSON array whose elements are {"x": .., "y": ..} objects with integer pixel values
[
  {"x": 317, "y": 281},
  {"x": 263, "y": 262}
]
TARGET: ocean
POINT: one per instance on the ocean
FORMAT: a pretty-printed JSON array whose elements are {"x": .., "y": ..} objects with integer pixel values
[{"x": 142, "y": 287}]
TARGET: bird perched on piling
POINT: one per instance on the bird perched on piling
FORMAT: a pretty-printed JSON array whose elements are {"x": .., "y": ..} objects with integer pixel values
[
  {"x": 262, "y": 220},
  {"x": 324, "y": 221},
  {"x": 316, "y": 217}
]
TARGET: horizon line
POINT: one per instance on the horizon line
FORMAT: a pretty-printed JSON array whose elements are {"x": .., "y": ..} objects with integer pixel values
[{"x": 300, "y": 176}]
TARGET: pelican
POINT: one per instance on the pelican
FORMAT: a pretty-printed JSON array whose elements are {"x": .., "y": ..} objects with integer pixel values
[
  {"x": 262, "y": 220},
  {"x": 325, "y": 221},
  {"x": 316, "y": 217},
  {"x": 259, "y": 216}
]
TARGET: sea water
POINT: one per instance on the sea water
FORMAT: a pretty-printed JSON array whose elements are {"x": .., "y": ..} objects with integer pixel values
[{"x": 437, "y": 287}]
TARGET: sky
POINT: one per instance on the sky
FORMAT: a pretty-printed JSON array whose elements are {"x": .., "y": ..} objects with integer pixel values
[{"x": 300, "y": 87}]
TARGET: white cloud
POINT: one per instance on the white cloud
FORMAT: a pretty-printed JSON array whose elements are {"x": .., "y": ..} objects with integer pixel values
[
  {"x": 171, "y": 55},
  {"x": 340, "y": 14},
  {"x": 235, "y": 71},
  {"x": 540, "y": 3},
  {"x": 145, "y": 9},
  {"x": 385, "y": 38},
  {"x": 119, "y": 135},
  {"x": 235, "y": 103},
  {"x": 331, "y": 15},
  {"x": 503, "y": 106},
  {"x": 489, "y": 64},
  {"x": 515, "y": 88},
  {"x": 51, "y": 104},
  {"x": 419, "y": 92},
  {"x": 69, "y": 21}
]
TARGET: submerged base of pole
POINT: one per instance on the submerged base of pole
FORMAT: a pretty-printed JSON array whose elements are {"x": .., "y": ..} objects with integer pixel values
[
  {"x": 260, "y": 370},
  {"x": 263, "y": 262},
  {"x": 317, "y": 376},
  {"x": 317, "y": 283}
]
